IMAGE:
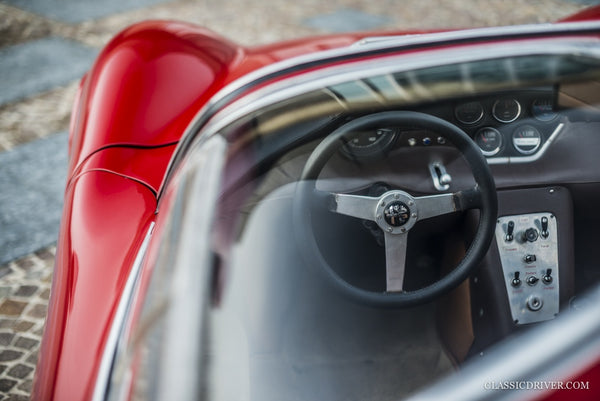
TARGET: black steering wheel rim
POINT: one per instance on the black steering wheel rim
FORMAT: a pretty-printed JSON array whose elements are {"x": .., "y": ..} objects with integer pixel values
[{"x": 486, "y": 202}]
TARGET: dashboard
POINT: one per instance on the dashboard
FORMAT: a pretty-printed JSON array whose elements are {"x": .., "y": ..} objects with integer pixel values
[{"x": 508, "y": 127}]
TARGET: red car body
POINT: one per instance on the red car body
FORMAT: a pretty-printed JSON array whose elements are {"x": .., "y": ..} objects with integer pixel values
[{"x": 132, "y": 109}]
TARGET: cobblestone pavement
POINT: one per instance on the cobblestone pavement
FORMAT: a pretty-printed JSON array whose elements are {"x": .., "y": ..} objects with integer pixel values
[{"x": 25, "y": 282}]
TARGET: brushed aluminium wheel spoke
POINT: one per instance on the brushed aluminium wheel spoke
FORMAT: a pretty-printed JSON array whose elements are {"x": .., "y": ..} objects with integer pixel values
[
  {"x": 395, "y": 261},
  {"x": 362, "y": 207},
  {"x": 435, "y": 205}
]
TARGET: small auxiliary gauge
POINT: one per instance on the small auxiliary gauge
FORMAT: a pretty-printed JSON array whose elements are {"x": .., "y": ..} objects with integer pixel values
[
  {"x": 526, "y": 139},
  {"x": 506, "y": 110},
  {"x": 469, "y": 113},
  {"x": 542, "y": 109},
  {"x": 489, "y": 141}
]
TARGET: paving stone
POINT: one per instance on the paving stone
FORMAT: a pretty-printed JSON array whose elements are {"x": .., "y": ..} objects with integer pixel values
[
  {"x": 32, "y": 178},
  {"x": 39, "y": 332},
  {"x": 9, "y": 355},
  {"x": 7, "y": 323},
  {"x": 6, "y": 338},
  {"x": 26, "y": 291},
  {"x": 41, "y": 65},
  {"x": 23, "y": 326},
  {"x": 32, "y": 359},
  {"x": 25, "y": 263},
  {"x": 346, "y": 20},
  {"x": 38, "y": 311},
  {"x": 74, "y": 11},
  {"x": 20, "y": 371},
  {"x": 45, "y": 294},
  {"x": 26, "y": 343},
  {"x": 47, "y": 279},
  {"x": 26, "y": 386},
  {"x": 6, "y": 385},
  {"x": 45, "y": 255},
  {"x": 9, "y": 307}
]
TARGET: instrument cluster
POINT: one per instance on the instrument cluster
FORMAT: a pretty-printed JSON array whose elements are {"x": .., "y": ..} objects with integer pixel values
[
  {"x": 507, "y": 127},
  {"x": 514, "y": 125}
]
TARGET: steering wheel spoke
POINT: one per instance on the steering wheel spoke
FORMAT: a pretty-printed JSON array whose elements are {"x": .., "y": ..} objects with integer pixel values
[
  {"x": 395, "y": 261},
  {"x": 362, "y": 207},
  {"x": 437, "y": 205}
]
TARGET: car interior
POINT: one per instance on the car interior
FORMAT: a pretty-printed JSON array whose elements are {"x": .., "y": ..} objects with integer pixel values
[{"x": 375, "y": 234}]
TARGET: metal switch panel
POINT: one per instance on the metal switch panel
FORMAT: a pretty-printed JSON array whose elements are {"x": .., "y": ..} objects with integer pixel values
[{"x": 528, "y": 246}]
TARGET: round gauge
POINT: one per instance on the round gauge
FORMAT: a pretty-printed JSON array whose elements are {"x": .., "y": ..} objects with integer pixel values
[
  {"x": 506, "y": 110},
  {"x": 541, "y": 109},
  {"x": 489, "y": 141},
  {"x": 526, "y": 139},
  {"x": 369, "y": 143},
  {"x": 469, "y": 113}
]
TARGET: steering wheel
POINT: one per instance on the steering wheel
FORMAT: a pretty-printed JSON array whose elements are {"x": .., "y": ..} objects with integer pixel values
[{"x": 396, "y": 212}]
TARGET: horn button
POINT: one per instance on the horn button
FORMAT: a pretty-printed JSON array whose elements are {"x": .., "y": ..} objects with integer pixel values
[{"x": 396, "y": 212}]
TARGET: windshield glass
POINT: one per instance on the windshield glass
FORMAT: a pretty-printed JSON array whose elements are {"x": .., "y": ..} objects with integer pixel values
[{"x": 362, "y": 228}]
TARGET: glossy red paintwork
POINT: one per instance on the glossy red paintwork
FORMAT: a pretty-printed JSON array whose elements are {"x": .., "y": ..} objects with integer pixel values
[
  {"x": 150, "y": 81},
  {"x": 592, "y": 13},
  {"x": 133, "y": 106},
  {"x": 147, "y": 85},
  {"x": 591, "y": 376},
  {"x": 100, "y": 234},
  {"x": 146, "y": 165}
]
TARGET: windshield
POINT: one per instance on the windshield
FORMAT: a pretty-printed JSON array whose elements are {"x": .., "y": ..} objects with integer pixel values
[{"x": 366, "y": 218}]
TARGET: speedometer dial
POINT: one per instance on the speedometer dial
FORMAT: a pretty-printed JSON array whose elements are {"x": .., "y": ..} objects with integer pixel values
[
  {"x": 526, "y": 139},
  {"x": 489, "y": 141}
]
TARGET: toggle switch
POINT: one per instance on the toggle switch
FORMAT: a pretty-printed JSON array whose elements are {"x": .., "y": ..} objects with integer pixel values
[
  {"x": 544, "y": 232},
  {"x": 516, "y": 281},
  {"x": 547, "y": 278},
  {"x": 509, "y": 231},
  {"x": 532, "y": 280}
]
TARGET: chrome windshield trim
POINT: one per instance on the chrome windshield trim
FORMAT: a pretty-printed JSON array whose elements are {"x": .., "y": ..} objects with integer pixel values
[
  {"x": 327, "y": 77},
  {"x": 118, "y": 324},
  {"x": 401, "y": 41}
]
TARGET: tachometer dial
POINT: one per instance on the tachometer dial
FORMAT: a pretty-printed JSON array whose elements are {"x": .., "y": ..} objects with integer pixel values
[
  {"x": 469, "y": 113},
  {"x": 526, "y": 139},
  {"x": 489, "y": 141},
  {"x": 542, "y": 109},
  {"x": 506, "y": 110}
]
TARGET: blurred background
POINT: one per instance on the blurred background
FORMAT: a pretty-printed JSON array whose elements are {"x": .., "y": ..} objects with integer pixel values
[{"x": 47, "y": 45}]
